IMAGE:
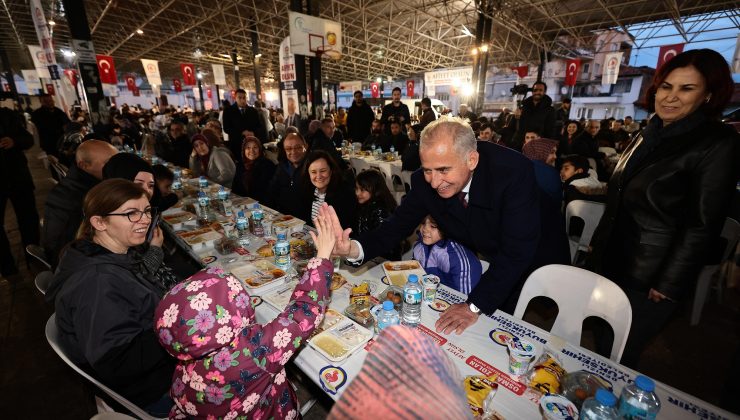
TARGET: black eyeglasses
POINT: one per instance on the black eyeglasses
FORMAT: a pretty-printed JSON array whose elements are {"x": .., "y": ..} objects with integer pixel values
[{"x": 136, "y": 215}]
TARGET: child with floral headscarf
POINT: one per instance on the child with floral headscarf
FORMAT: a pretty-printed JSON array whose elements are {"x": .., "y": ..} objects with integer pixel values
[{"x": 230, "y": 366}]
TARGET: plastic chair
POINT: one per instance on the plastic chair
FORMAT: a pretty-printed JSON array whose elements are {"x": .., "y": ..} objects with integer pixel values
[
  {"x": 579, "y": 294},
  {"x": 590, "y": 212},
  {"x": 38, "y": 253},
  {"x": 406, "y": 179},
  {"x": 731, "y": 234},
  {"x": 52, "y": 336},
  {"x": 359, "y": 164},
  {"x": 43, "y": 281}
]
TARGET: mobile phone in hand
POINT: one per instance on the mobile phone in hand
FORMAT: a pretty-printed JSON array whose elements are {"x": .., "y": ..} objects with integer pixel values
[{"x": 153, "y": 226}]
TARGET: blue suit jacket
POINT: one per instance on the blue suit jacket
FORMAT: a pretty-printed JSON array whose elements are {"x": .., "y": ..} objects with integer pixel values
[{"x": 501, "y": 222}]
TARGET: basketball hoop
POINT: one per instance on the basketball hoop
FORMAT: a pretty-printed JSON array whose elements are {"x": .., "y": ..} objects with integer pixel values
[{"x": 328, "y": 52}]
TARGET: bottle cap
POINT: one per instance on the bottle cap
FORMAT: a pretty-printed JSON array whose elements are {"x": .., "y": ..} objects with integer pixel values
[
  {"x": 387, "y": 305},
  {"x": 240, "y": 214},
  {"x": 413, "y": 278},
  {"x": 645, "y": 383},
  {"x": 201, "y": 194},
  {"x": 281, "y": 236},
  {"x": 605, "y": 397}
]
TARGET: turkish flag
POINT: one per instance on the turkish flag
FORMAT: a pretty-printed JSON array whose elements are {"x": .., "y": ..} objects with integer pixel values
[
  {"x": 521, "y": 71},
  {"x": 375, "y": 90},
  {"x": 131, "y": 82},
  {"x": 107, "y": 69},
  {"x": 136, "y": 92},
  {"x": 177, "y": 84},
  {"x": 667, "y": 52},
  {"x": 571, "y": 71},
  {"x": 188, "y": 74},
  {"x": 209, "y": 93},
  {"x": 410, "y": 88},
  {"x": 50, "y": 89},
  {"x": 72, "y": 76}
]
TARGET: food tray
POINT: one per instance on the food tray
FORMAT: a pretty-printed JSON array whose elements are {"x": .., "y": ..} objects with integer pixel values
[
  {"x": 200, "y": 238},
  {"x": 177, "y": 218},
  {"x": 361, "y": 315},
  {"x": 290, "y": 223},
  {"x": 339, "y": 342},
  {"x": 260, "y": 276},
  {"x": 395, "y": 290},
  {"x": 280, "y": 298},
  {"x": 397, "y": 272}
]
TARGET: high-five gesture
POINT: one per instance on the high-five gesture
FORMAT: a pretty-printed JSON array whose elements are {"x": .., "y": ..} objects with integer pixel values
[
  {"x": 324, "y": 238},
  {"x": 343, "y": 247}
]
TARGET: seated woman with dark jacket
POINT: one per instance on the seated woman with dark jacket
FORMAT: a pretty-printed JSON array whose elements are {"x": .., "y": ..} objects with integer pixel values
[
  {"x": 324, "y": 182},
  {"x": 253, "y": 174},
  {"x": 104, "y": 306}
]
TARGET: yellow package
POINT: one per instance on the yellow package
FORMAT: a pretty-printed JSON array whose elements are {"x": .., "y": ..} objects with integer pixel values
[
  {"x": 360, "y": 295},
  {"x": 546, "y": 375},
  {"x": 477, "y": 389}
]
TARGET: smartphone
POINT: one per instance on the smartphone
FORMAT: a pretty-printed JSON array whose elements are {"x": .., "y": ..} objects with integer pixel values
[{"x": 153, "y": 226}]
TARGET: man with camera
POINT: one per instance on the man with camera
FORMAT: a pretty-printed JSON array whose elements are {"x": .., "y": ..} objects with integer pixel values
[{"x": 535, "y": 114}]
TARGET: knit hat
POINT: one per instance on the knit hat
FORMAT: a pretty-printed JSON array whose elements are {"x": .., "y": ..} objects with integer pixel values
[
  {"x": 126, "y": 166},
  {"x": 539, "y": 149},
  {"x": 405, "y": 375}
]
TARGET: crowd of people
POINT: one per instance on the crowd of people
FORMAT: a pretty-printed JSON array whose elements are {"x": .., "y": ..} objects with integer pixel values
[{"x": 480, "y": 189}]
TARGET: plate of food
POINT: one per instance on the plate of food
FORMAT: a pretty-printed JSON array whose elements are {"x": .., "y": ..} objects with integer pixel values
[
  {"x": 397, "y": 272},
  {"x": 200, "y": 237},
  {"x": 337, "y": 281},
  {"x": 341, "y": 340}
]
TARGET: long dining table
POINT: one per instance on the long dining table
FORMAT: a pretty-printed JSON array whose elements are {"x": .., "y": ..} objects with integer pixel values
[{"x": 479, "y": 350}]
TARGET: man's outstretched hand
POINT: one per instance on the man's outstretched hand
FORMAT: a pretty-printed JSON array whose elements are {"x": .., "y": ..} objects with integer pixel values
[{"x": 343, "y": 246}]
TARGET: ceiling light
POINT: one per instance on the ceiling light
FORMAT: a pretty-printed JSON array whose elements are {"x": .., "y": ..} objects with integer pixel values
[
  {"x": 197, "y": 54},
  {"x": 68, "y": 53},
  {"x": 51, "y": 22},
  {"x": 484, "y": 48},
  {"x": 140, "y": 32},
  {"x": 465, "y": 31},
  {"x": 379, "y": 79},
  {"x": 474, "y": 51},
  {"x": 200, "y": 75},
  {"x": 258, "y": 55}
]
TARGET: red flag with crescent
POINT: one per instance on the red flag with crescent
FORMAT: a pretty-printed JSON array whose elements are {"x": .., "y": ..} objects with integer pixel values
[
  {"x": 188, "y": 74},
  {"x": 72, "y": 76},
  {"x": 177, "y": 84},
  {"x": 571, "y": 71},
  {"x": 375, "y": 90},
  {"x": 521, "y": 71},
  {"x": 209, "y": 93},
  {"x": 410, "y": 88},
  {"x": 107, "y": 69},
  {"x": 131, "y": 82},
  {"x": 50, "y": 89},
  {"x": 136, "y": 92},
  {"x": 667, "y": 52}
]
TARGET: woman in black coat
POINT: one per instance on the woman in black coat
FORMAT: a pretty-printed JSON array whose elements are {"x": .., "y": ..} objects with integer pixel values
[
  {"x": 669, "y": 194},
  {"x": 324, "y": 182},
  {"x": 253, "y": 174}
]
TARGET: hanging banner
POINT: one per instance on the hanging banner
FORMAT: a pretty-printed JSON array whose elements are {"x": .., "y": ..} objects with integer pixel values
[
  {"x": 39, "y": 61},
  {"x": 571, "y": 71},
  {"x": 375, "y": 89},
  {"x": 71, "y": 76},
  {"x": 219, "y": 78},
  {"x": 107, "y": 69},
  {"x": 667, "y": 52},
  {"x": 42, "y": 31},
  {"x": 410, "y": 88},
  {"x": 287, "y": 61},
  {"x": 612, "y": 62},
  {"x": 110, "y": 90},
  {"x": 31, "y": 77},
  {"x": 50, "y": 89},
  {"x": 736, "y": 58},
  {"x": 177, "y": 84},
  {"x": 521, "y": 71},
  {"x": 350, "y": 86},
  {"x": 151, "y": 68},
  {"x": 136, "y": 92},
  {"x": 449, "y": 77},
  {"x": 209, "y": 93},
  {"x": 131, "y": 82},
  {"x": 188, "y": 74}
]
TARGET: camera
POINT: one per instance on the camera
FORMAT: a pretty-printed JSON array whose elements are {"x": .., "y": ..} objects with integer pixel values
[{"x": 520, "y": 89}]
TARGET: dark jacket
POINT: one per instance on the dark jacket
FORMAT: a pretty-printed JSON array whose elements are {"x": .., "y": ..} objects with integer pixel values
[
  {"x": 539, "y": 118},
  {"x": 14, "y": 173},
  {"x": 359, "y": 120},
  {"x": 398, "y": 113},
  {"x": 235, "y": 123},
  {"x": 399, "y": 142},
  {"x": 258, "y": 187},
  {"x": 175, "y": 150},
  {"x": 666, "y": 207},
  {"x": 502, "y": 222},
  {"x": 105, "y": 316},
  {"x": 548, "y": 179},
  {"x": 585, "y": 145},
  {"x": 50, "y": 122},
  {"x": 321, "y": 142},
  {"x": 341, "y": 196},
  {"x": 410, "y": 160},
  {"x": 369, "y": 217},
  {"x": 427, "y": 116},
  {"x": 63, "y": 211},
  {"x": 284, "y": 192},
  {"x": 373, "y": 140}
]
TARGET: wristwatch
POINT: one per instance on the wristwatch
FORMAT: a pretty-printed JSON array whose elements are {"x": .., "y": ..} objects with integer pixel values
[{"x": 474, "y": 309}]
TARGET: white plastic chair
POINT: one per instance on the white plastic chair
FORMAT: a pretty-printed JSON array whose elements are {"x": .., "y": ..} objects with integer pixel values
[
  {"x": 43, "y": 280},
  {"x": 52, "y": 336},
  {"x": 38, "y": 253},
  {"x": 406, "y": 179},
  {"x": 591, "y": 213},
  {"x": 359, "y": 164},
  {"x": 579, "y": 294},
  {"x": 731, "y": 233}
]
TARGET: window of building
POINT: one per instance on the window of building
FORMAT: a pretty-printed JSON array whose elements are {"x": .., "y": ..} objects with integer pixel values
[
  {"x": 615, "y": 46},
  {"x": 589, "y": 113},
  {"x": 585, "y": 68},
  {"x": 597, "y": 67},
  {"x": 622, "y": 86}
]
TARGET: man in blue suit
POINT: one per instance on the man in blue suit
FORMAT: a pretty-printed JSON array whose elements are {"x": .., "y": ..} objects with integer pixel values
[{"x": 482, "y": 195}]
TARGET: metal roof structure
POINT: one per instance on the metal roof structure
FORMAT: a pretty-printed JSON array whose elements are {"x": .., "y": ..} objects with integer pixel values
[{"x": 393, "y": 38}]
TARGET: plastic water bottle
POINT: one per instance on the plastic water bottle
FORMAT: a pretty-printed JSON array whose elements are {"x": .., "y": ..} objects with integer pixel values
[
  {"x": 177, "y": 184},
  {"x": 282, "y": 251},
  {"x": 388, "y": 316},
  {"x": 257, "y": 228},
  {"x": 202, "y": 182},
  {"x": 242, "y": 228},
  {"x": 638, "y": 401},
  {"x": 411, "y": 301},
  {"x": 222, "y": 194},
  {"x": 602, "y": 406}
]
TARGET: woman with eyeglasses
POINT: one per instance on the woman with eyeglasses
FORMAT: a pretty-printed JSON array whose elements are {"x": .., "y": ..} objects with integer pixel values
[{"x": 105, "y": 306}]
